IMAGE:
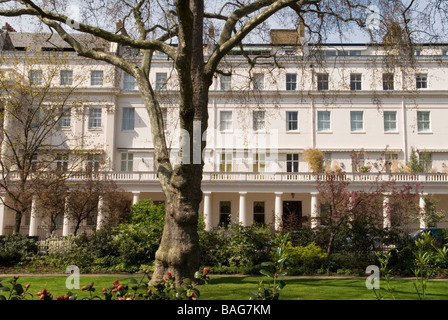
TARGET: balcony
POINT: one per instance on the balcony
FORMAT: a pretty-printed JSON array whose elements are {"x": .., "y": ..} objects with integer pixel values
[{"x": 151, "y": 177}]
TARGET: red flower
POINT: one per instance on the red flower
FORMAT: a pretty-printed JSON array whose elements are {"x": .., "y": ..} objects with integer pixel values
[
  {"x": 120, "y": 287},
  {"x": 205, "y": 271},
  {"x": 115, "y": 283},
  {"x": 27, "y": 286},
  {"x": 84, "y": 288},
  {"x": 168, "y": 276}
]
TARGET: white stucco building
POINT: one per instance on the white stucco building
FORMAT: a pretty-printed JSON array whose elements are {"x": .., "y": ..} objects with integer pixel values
[{"x": 340, "y": 99}]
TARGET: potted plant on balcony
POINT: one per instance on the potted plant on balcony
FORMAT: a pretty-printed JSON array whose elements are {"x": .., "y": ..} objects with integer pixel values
[{"x": 315, "y": 159}]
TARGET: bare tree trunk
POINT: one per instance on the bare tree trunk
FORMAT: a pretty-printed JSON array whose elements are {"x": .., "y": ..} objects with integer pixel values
[
  {"x": 18, "y": 220},
  {"x": 178, "y": 252}
]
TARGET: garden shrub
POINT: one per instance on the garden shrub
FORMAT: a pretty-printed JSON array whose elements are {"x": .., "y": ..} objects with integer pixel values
[
  {"x": 310, "y": 257},
  {"x": 235, "y": 247},
  {"x": 15, "y": 248},
  {"x": 138, "y": 239}
]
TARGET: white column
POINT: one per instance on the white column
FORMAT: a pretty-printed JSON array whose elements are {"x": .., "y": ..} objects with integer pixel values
[
  {"x": 2, "y": 216},
  {"x": 314, "y": 209},
  {"x": 135, "y": 197},
  {"x": 34, "y": 219},
  {"x": 66, "y": 222},
  {"x": 278, "y": 218},
  {"x": 422, "y": 211},
  {"x": 100, "y": 217},
  {"x": 386, "y": 212},
  {"x": 208, "y": 210},
  {"x": 243, "y": 214}
]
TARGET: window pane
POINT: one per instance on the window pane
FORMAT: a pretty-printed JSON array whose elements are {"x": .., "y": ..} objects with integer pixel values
[
  {"x": 95, "y": 118},
  {"x": 96, "y": 78},
  {"x": 390, "y": 121},
  {"x": 66, "y": 78},
  {"x": 161, "y": 79},
  {"x": 258, "y": 120},
  {"x": 128, "y": 82},
  {"x": 225, "y": 120},
  {"x": 65, "y": 119},
  {"x": 224, "y": 212},
  {"x": 259, "y": 212},
  {"x": 36, "y": 77},
  {"x": 226, "y": 82},
  {"x": 356, "y": 121},
  {"x": 323, "y": 121},
  {"x": 292, "y": 162},
  {"x": 355, "y": 81},
  {"x": 128, "y": 119},
  {"x": 423, "y": 121},
  {"x": 292, "y": 122},
  {"x": 422, "y": 81},
  {"x": 127, "y": 162},
  {"x": 258, "y": 81},
  {"x": 322, "y": 81},
  {"x": 388, "y": 81},
  {"x": 291, "y": 81}
]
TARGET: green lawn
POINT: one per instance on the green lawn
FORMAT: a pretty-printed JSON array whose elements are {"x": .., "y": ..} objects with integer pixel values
[{"x": 239, "y": 288}]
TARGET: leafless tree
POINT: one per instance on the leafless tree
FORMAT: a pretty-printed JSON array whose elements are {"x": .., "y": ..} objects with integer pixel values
[{"x": 30, "y": 135}]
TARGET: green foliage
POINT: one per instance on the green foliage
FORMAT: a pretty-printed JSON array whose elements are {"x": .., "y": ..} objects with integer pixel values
[
  {"x": 138, "y": 239},
  {"x": 15, "y": 248},
  {"x": 15, "y": 289},
  {"x": 273, "y": 270},
  {"x": 310, "y": 257},
  {"x": 428, "y": 257},
  {"x": 236, "y": 246}
]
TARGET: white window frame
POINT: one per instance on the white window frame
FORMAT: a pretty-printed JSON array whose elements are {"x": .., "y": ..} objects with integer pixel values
[
  {"x": 259, "y": 162},
  {"x": 225, "y": 82},
  {"x": 258, "y": 81},
  {"x": 388, "y": 81},
  {"x": 62, "y": 162},
  {"x": 128, "y": 82},
  {"x": 127, "y": 162},
  {"x": 36, "y": 77},
  {"x": 291, "y": 81},
  {"x": 128, "y": 119},
  {"x": 291, "y": 123},
  {"x": 390, "y": 124},
  {"x": 423, "y": 122},
  {"x": 421, "y": 81},
  {"x": 225, "y": 121},
  {"x": 66, "y": 77},
  {"x": 65, "y": 118},
  {"x": 292, "y": 162},
  {"x": 161, "y": 81},
  {"x": 258, "y": 121},
  {"x": 95, "y": 115},
  {"x": 356, "y": 123},
  {"x": 96, "y": 77},
  {"x": 93, "y": 163},
  {"x": 226, "y": 161},
  {"x": 355, "y": 81},
  {"x": 323, "y": 125},
  {"x": 323, "y": 81}
]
